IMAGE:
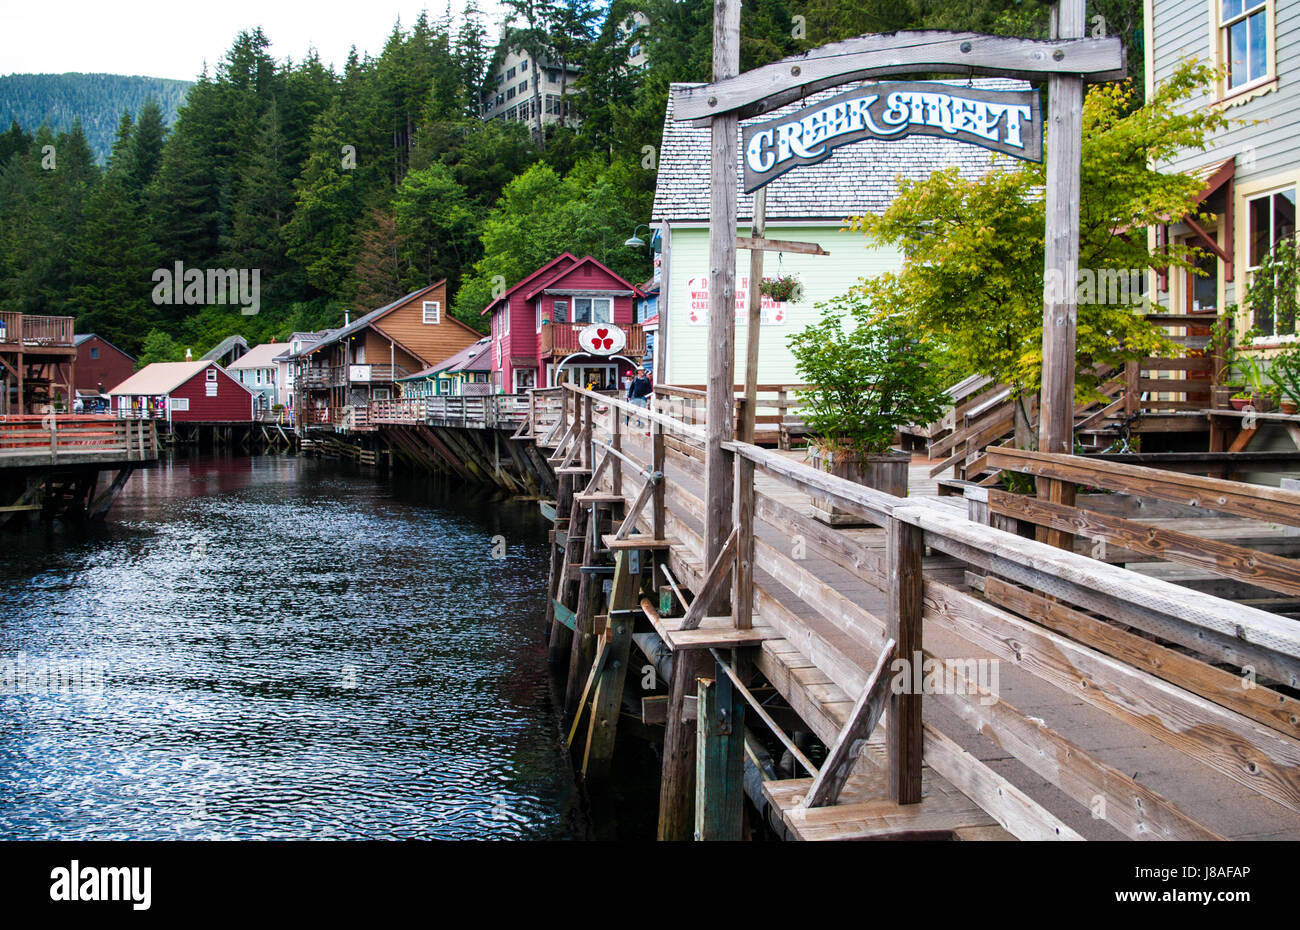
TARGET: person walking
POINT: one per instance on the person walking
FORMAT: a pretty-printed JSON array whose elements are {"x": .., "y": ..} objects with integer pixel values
[{"x": 640, "y": 388}]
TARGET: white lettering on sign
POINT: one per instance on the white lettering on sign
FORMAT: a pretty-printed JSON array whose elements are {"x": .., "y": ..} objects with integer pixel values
[{"x": 1005, "y": 121}]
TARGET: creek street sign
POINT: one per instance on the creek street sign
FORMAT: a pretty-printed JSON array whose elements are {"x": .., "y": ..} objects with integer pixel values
[{"x": 1002, "y": 120}]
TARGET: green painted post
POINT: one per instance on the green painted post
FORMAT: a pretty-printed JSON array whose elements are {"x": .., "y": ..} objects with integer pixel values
[{"x": 719, "y": 760}]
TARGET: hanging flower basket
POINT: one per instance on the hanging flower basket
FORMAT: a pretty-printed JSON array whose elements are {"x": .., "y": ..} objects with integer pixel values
[{"x": 782, "y": 289}]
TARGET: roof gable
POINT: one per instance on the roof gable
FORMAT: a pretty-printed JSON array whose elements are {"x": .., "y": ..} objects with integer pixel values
[
  {"x": 563, "y": 256},
  {"x": 162, "y": 377},
  {"x": 556, "y": 279}
]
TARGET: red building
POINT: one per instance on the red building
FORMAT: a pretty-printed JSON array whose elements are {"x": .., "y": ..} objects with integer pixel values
[
  {"x": 548, "y": 327},
  {"x": 100, "y": 364},
  {"x": 183, "y": 392}
]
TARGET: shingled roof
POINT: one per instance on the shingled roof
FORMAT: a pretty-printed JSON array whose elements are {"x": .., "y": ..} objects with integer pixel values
[{"x": 858, "y": 178}]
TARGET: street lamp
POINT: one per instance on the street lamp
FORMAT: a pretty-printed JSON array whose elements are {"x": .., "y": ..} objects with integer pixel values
[{"x": 636, "y": 242}]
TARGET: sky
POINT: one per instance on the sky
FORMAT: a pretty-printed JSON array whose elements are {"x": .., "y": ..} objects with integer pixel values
[{"x": 173, "y": 38}]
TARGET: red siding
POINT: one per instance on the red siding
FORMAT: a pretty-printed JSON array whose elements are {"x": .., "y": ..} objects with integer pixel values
[
  {"x": 523, "y": 341},
  {"x": 104, "y": 373},
  {"x": 233, "y": 404}
]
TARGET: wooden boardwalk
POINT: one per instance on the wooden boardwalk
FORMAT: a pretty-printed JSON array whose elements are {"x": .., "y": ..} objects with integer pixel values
[{"x": 1065, "y": 740}]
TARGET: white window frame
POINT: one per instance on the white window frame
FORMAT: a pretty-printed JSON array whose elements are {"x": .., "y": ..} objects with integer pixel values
[
  {"x": 1222, "y": 51},
  {"x": 592, "y": 302},
  {"x": 212, "y": 374},
  {"x": 436, "y": 306},
  {"x": 178, "y": 404},
  {"x": 1273, "y": 338}
]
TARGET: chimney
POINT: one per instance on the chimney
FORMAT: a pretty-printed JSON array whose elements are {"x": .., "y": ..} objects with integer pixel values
[{"x": 189, "y": 356}]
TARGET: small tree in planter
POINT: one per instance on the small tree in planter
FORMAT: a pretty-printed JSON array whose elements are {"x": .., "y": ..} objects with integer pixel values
[{"x": 868, "y": 374}]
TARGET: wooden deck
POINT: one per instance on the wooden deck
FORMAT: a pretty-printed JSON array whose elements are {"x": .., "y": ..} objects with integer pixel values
[{"x": 1094, "y": 728}]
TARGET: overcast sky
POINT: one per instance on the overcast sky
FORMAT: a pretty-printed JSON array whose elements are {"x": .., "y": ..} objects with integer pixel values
[{"x": 173, "y": 38}]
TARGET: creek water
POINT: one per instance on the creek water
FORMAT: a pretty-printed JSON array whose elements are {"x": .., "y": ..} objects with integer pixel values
[{"x": 276, "y": 648}]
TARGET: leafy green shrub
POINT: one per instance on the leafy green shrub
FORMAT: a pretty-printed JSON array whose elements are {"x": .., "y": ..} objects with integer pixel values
[{"x": 868, "y": 374}]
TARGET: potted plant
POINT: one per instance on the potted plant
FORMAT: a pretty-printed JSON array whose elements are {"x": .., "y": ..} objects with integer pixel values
[
  {"x": 867, "y": 375},
  {"x": 1285, "y": 373},
  {"x": 781, "y": 288},
  {"x": 1260, "y": 392}
]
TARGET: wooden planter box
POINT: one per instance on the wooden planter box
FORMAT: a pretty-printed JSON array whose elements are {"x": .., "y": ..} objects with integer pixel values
[{"x": 884, "y": 471}]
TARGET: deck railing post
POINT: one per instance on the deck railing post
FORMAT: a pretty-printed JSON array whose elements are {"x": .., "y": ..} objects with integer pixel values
[
  {"x": 588, "y": 433},
  {"x": 905, "y": 547},
  {"x": 616, "y": 443},
  {"x": 743, "y": 578}
]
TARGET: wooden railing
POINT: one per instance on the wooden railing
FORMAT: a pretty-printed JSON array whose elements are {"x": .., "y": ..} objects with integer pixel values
[
  {"x": 71, "y": 438},
  {"x": 318, "y": 378},
  {"x": 26, "y": 329},
  {"x": 562, "y": 339},
  {"x": 779, "y": 427},
  {"x": 488, "y": 411},
  {"x": 1049, "y": 617}
]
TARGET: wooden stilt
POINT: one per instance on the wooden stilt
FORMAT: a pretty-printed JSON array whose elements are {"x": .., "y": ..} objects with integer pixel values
[
  {"x": 608, "y": 699},
  {"x": 719, "y": 760}
]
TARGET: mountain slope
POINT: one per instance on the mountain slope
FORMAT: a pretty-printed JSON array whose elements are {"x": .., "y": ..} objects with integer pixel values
[{"x": 97, "y": 99}]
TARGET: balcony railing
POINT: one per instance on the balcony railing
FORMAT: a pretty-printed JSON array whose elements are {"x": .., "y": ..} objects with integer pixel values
[
  {"x": 562, "y": 339},
  {"x": 28, "y": 330}
]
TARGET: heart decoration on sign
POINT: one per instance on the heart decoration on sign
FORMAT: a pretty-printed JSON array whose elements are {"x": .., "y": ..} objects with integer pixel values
[{"x": 602, "y": 338}]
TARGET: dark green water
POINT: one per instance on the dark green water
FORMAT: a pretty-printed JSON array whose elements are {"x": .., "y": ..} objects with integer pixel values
[{"x": 286, "y": 651}]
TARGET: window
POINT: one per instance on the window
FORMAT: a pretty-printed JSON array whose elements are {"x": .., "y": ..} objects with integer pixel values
[
  {"x": 593, "y": 310},
  {"x": 432, "y": 311},
  {"x": 523, "y": 66},
  {"x": 94, "y": 352},
  {"x": 212, "y": 374},
  {"x": 259, "y": 376},
  {"x": 505, "y": 320},
  {"x": 510, "y": 94},
  {"x": 511, "y": 73},
  {"x": 179, "y": 403},
  {"x": 561, "y": 312},
  {"x": 1272, "y": 227},
  {"x": 522, "y": 87},
  {"x": 1244, "y": 40}
]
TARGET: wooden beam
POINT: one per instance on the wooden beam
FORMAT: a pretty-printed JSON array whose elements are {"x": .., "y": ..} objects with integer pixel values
[
  {"x": 828, "y": 784},
  {"x": 905, "y": 548},
  {"x": 720, "y": 761},
  {"x": 931, "y": 52},
  {"x": 742, "y": 598},
  {"x": 607, "y": 702},
  {"x": 1264, "y": 569},
  {"x": 1061, "y": 245},
  {"x": 755, "y": 244},
  {"x": 714, "y": 582},
  {"x": 758, "y": 244}
]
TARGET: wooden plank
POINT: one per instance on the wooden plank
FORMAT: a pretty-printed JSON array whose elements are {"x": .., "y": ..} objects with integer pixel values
[
  {"x": 1017, "y": 813},
  {"x": 1132, "y": 808},
  {"x": 852, "y": 740},
  {"x": 1234, "y": 633},
  {"x": 730, "y": 638},
  {"x": 1260, "y": 568},
  {"x": 890, "y": 55},
  {"x": 1269, "y": 707},
  {"x": 758, "y": 244},
  {"x": 1252, "y": 755},
  {"x": 905, "y": 547},
  {"x": 1260, "y": 503}
]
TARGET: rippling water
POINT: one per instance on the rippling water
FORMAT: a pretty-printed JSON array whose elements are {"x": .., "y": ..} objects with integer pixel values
[{"x": 286, "y": 651}]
